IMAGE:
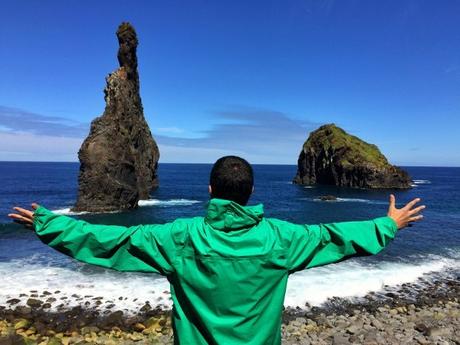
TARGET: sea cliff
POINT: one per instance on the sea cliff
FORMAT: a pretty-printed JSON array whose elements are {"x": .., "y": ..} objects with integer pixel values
[{"x": 330, "y": 156}]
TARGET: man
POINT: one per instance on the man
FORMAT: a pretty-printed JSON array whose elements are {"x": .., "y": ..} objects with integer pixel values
[{"x": 228, "y": 270}]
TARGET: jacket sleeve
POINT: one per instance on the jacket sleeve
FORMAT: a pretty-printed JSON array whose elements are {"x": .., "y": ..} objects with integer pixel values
[
  {"x": 142, "y": 248},
  {"x": 317, "y": 245}
]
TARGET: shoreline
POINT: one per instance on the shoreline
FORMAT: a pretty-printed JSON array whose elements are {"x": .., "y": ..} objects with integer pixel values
[{"x": 424, "y": 312}]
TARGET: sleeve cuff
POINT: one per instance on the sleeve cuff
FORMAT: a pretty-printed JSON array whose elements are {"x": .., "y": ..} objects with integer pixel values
[
  {"x": 40, "y": 217},
  {"x": 387, "y": 222}
]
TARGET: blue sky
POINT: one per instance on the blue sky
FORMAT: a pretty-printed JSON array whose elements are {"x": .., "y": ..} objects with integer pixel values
[{"x": 251, "y": 78}]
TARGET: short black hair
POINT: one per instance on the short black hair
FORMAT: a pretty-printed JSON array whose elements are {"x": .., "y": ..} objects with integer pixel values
[{"x": 232, "y": 179}]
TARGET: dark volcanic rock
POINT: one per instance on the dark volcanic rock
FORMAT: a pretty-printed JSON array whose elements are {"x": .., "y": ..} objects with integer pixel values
[
  {"x": 331, "y": 156},
  {"x": 34, "y": 303},
  {"x": 118, "y": 159}
]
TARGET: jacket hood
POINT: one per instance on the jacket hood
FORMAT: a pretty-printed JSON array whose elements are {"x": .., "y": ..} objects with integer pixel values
[{"x": 227, "y": 215}]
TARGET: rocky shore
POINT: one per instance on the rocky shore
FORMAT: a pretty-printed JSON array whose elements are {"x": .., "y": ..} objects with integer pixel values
[{"x": 426, "y": 312}]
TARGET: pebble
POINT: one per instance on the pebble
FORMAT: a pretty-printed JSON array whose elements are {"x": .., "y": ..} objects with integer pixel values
[
  {"x": 421, "y": 321},
  {"x": 34, "y": 303}
]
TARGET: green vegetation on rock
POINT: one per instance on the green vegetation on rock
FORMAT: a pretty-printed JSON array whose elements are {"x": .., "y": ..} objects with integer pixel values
[
  {"x": 353, "y": 149},
  {"x": 332, "y": 156}
]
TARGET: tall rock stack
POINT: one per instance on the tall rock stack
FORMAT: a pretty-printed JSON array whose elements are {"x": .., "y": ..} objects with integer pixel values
[
  {"x": 331, "y": 156},
  {"x": 119, "y": 158}
]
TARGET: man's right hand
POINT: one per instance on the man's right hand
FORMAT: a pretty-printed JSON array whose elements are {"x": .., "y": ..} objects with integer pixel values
[
  {"x": 406, "y": 215},
  {"x": 24, "y": 216}
]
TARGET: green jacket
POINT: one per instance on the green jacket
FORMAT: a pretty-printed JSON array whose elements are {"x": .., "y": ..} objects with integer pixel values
[{"x": 228, "y": 271}]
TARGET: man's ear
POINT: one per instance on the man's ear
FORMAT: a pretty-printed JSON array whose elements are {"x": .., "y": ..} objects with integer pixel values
[{"x": 210, "y": 189}]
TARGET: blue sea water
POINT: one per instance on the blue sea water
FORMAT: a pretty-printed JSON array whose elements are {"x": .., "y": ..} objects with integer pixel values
[{"x": 431, "y": 245}]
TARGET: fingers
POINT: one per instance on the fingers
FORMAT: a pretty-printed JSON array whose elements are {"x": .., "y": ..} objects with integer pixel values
[
  {"x": 24, "y": 212},
  {"x": 411, "y": 204},
  {"x": 19, "y": 218},
  {"x": 392, "y": 201},
  {"x": 35, "y": 206},
  {"x": 391, "y": 206},
  {"x": 416, "y": 218},
  {"x": 417, "y": 210}
]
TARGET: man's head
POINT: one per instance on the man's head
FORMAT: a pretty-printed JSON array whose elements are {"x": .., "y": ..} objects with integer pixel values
[{"x": 231, "y": 179}]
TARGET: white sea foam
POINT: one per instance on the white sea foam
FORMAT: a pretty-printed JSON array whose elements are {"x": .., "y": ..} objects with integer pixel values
[
  {"x": 135, "y": 289},
  {"x": 366, "y": 201},
  {"x": 352, "y": 279},
  {"x": 416, "y": 182},
  {"x": 166, "y": 203},
  {"x": 67, "y": 212},
  {"x": 314, "y": 286}
]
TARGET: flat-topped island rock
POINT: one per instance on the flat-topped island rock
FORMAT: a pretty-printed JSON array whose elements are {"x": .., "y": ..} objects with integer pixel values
[{"x": 330, "y": 156}]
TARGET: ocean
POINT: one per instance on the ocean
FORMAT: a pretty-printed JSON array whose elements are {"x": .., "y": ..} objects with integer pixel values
[{"x": 26, "y": 264}]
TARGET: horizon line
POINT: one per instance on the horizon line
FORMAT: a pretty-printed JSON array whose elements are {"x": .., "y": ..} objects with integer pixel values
[{"x": 208, "y": 163}]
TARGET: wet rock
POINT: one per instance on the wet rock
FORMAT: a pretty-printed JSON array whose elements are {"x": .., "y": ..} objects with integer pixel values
[
  {"x": 145, "y": 308},
  {"x": 23, "y": 310},
  {"x": 115, "y": 318},
  {"x": 13, "y": 301}
]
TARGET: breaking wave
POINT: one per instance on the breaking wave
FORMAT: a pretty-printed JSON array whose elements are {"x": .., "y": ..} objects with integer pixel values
[
  {"x": 67, "y": 211},
  {"x": 416, "y": 182},
  {"x": 166, "y": 203},
  {"x": 129, "y": 291},
  {"x": 353, "y": 279},
  {"x": 366, "y": 201}
]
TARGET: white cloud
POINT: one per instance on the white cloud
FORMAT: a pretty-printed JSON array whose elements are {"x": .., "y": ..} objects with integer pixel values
[
  {"x": 259, "y": 135},
  {"x": 180, "y": 154},
  {"x": 262, "y": 136},
  {"x": 21, "y": 121},
  {"x": 32, "y": 147},
  {"x": 171, "y": 130}
]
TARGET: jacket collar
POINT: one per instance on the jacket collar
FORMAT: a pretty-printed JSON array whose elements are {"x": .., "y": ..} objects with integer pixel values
[{"x": 227, "y": 215}]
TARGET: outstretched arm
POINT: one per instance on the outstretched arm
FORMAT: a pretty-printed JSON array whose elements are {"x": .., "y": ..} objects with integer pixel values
[
  {"x": 316, "y": 245},
  {"x": 143, "y": 248}
]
